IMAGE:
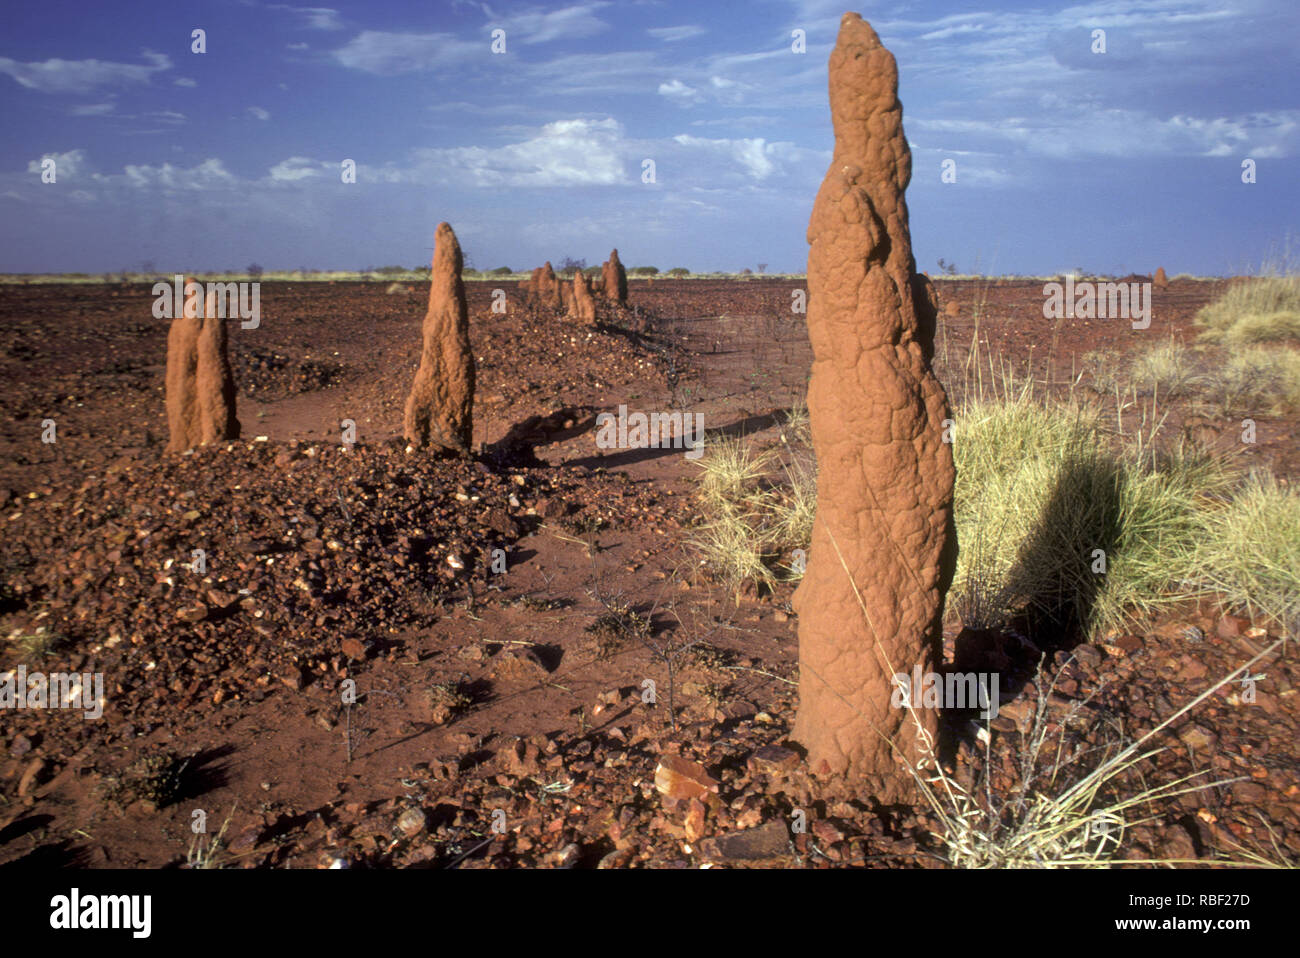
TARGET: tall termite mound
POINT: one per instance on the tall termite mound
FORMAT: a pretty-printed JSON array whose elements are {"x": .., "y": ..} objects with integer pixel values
[
  {"x": 440, "y": 408},
  {"x": 200, "y": 387},
  {"x": 613, "y": 278},
  {"x": 582, "y": 306},
  {"x": 884, "y": 546},
  {"x": 544, "y": 287}
]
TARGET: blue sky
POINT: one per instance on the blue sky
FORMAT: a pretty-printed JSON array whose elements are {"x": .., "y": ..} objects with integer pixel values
[{"x": 1065, "y": 158}]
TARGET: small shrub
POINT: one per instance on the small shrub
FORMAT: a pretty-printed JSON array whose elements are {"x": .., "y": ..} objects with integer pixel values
[
  {"x": 447, "y": 700},
  {"x": 1167, "y": 370},
  {"x": 1254, "y": 381},
  {"x": 156, "y": 779}
]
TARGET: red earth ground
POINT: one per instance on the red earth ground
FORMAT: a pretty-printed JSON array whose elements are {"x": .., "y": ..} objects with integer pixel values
[{"x": 503, "y": 719}]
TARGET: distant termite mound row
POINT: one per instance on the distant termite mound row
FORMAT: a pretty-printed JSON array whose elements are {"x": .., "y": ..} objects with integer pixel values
[
  {"x": 582, "y": 305},
  {"x": 544, "y": 287},
  {"x": 200, "y": 387},
  {"x": 883, "y": 547},
  {"x": 613, "y": 279},
  {"x": 440, "y": 407}
]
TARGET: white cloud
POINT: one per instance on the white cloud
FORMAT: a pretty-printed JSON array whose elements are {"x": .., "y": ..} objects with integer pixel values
[
  {"x": 185, "y": 81},
  {"x": 542, "y": 26},
  {"x": 207, "y": 176},
  {"x": 82, "y": 76},
  {"x": 297, "y": 46},
  {"x": 374, "y": 51},
  {"x": 630, "y": 71},
  {"x": 259, "y": 113},
  {"x": 677, "y": 90},
  {"x": 564, "y": 153},
  {"x": 673, "y": 34},
  {"x": 752, "y": 158},
  {"x": 314, "y": 18},
  {"x": 93, "y": 109},
  {"x": 1082, "y": 130},
  {"x": 295, "y": 168},
  {"x": 751, "y": 119}
]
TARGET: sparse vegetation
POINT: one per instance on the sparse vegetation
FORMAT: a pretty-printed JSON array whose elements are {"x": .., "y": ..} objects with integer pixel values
[
  {"x": 156, "y": 779},
  {"x": 1058, "y": 515},
  {"x": 1167, "y": 370},
  {"x": 39, "y": 645},
  {"x": 447, "y": 700},
  {"x": 1240, "y": 381},
  {"x": 1072, "y": 803},
  {"x": 1043, "y": 490},
  {"x": 1254, "y": 381},
  {"x": 758, "y": 506},
  {"x": 1257, "y": 310},
  {"x": 1251, "y": 554}
]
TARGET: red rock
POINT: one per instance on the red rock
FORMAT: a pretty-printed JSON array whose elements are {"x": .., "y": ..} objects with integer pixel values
[
  {"x": 1124, "y": 645},
  {"x": 694, "y": 823},
  {"x": 619, "y": 858},
  {"x": 826, "y": 831},
  {"x": 755, "y": 844},
  {"x": 772, "y": 759},
  {"x": 1160, "y": 281},
  {"x": 353, "y": 648},
  {"x": 1197, "y": 738},
  {"x": 1232, "y": 626},
  {"x": 411, "y": 822},
  {"x": 678, "y": 778},
  {"x": 193, "y": 613}
]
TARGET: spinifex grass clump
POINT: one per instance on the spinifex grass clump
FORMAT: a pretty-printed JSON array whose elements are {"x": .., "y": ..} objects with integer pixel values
[
  {"x": 1257, "y": 310},
  {"x": 758, "y": 506},
  {"x": 1066, "y": 524},
  {"x": 1254, "y": 381},
  {"x": 1235, "y": 381},
  {"x": 1251, "y": 554},
  {"x": 1167, "y": 370}
]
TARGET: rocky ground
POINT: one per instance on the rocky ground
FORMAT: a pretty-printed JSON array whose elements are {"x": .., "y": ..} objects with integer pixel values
[{"x": 345, "y": 677}]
